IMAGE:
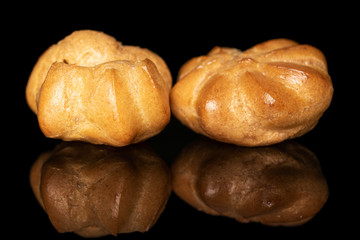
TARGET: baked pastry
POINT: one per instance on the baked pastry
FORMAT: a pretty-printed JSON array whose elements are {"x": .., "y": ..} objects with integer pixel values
[
  {"x": 276, "y": 185},
  {"x": 90, "y": 87},
  {"x": 96, "y": 190},
  {"x": 274, "y": 91}
]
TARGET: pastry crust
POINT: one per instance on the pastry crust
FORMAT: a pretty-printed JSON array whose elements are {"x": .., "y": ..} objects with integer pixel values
[
  {"x": 276, "y": 185},
  {"x": 90, "y": 87},
  {"x": 274, "y": 91},
  {"x": 96, "y": 190}
]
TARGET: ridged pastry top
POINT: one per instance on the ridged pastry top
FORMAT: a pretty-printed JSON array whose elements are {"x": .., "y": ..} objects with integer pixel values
[
  {"x": 89, "y": 87},
  {"x": 88, "y": 48},
  {"x": 274, "y": 91}
]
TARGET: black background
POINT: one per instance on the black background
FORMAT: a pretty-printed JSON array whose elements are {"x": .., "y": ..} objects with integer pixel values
[{"x": 177, "y": 33}]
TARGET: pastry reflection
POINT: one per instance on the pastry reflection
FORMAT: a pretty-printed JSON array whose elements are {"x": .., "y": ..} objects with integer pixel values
[
  {"x": 95, "y": 190},
  {"x": 276, "y": 185}
]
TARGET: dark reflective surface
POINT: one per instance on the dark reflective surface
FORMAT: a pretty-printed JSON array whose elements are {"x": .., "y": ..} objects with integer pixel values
[
  {"x": 279, "y": 185},
  {"x": 332, "y": 140},
  {"x": 182, "y": 219},
  {"x": 97, "y": 190}
]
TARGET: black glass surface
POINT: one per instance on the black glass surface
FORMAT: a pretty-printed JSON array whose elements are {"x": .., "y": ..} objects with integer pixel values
[{"x": 331, "y": 140}]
